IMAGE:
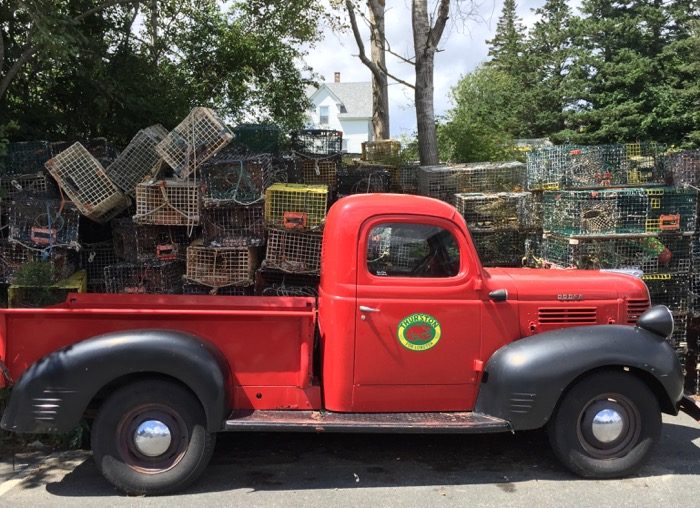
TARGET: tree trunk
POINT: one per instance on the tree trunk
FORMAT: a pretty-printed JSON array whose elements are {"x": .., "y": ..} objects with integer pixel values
[
  {"x": 380, "y": 88},
  {"x": 425, "y": 56}
]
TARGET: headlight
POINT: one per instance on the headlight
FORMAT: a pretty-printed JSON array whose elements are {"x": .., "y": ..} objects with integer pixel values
[{"x": 658, "y": 320}]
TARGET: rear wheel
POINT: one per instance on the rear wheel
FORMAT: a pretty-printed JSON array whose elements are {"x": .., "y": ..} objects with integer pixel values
[
  {"x": 150, "y": 437},
  {"x": 606, "y": 425}
]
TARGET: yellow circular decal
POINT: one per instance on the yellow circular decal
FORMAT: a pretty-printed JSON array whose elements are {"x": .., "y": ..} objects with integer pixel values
[{"x": 419, "y": 332}]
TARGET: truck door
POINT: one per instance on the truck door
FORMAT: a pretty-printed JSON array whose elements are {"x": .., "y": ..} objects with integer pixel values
[{"x": 418, "y": 316}]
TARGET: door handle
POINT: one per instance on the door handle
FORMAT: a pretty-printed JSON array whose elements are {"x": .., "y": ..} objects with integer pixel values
[{"x": 364, "y": 308}]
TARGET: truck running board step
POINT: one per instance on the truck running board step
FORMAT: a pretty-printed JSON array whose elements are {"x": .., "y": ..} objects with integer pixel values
[{"x": 317, "y": 421}]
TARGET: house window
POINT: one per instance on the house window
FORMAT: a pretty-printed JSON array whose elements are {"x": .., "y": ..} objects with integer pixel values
[{"x": 323, "y": 115}]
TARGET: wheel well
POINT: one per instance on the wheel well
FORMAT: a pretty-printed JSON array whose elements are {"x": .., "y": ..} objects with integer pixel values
[
  {"x": 104, "y": 392},
  {"x": 665, "y": 404}
]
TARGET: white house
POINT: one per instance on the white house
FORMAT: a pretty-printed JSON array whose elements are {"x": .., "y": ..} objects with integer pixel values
[{"x": 345, "y": 107}]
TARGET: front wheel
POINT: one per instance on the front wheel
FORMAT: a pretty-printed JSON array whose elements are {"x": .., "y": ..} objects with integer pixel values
[
  {"x": 150, "y": 438},
  {"x": 606, "y": 425}
]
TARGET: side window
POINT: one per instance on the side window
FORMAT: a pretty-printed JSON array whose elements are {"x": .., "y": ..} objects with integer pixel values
[{"x": 397, "y": 249}]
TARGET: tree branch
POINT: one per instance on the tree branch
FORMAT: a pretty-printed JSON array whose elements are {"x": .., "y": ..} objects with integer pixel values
[
  {"x": 376, "y": 71},
  {"x": 443, "y": 13},
  {"x": 400, "y": 57}
]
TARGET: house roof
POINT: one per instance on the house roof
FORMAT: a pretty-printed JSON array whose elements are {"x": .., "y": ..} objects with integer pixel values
[{"x": 356, "y": 97}]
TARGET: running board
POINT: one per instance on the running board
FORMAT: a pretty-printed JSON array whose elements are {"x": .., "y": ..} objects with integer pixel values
[{"x": 317, "y": 421}]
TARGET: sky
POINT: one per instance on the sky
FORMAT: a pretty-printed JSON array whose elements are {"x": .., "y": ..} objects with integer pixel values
[{"x": 463, "y": 48}]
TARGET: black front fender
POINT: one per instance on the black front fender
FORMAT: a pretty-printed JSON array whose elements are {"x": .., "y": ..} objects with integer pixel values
[
  {"x": 524, "y": 380},
  {"x": 53, "y": 393}
]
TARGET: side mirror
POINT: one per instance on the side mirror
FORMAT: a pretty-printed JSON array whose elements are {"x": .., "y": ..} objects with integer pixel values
[{"x": 499, "y": 295}]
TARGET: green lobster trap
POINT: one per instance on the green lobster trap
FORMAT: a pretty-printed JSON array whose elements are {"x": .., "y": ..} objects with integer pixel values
[
  {"x": 497, "y": 211},
  {"x": 296, "y": 206},
  {"x": 443, "y": 182}
]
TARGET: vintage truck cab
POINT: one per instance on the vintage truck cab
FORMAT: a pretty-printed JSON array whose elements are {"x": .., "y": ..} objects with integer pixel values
[{"x": 410, "y": 333}]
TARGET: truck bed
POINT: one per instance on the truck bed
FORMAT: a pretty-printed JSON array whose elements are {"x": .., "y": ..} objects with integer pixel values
[{"x": 266, "y": 341}]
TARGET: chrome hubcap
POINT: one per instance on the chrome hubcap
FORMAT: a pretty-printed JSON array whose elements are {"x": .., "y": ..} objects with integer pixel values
[
  {"x": 152, "y": 438},
  {"x": 607, "y": 425}
]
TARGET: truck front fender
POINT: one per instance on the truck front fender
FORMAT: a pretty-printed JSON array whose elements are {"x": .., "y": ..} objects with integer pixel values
[
  {"x": 524, "y": 380},
  {"x": 52, "y": 395}
]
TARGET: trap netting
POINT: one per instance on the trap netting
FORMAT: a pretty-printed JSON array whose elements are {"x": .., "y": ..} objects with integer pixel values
[
  {"x": 653, "y": 253},
  {"x": 167, "y": 202},
  {"x": 579, "y": 167},
  {"x": 296, "y": 206},
  {"x": 197, "y": 138},
  {"x": 154, "y": 277},
  {"x": 497, "y": 211},
  {"x": 138, "y": 160},
  {"x": 41, "y": 223},
  {"x": 222, "y": 266},
  {"x": 233, "y": 179},
  {"x": 292, "y": 251},
  {"x": 85, "y": 182},
  {"x": 233, "y": 226}
]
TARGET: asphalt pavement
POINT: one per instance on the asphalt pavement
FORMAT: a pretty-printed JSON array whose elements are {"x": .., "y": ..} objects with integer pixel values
[{"x": 353, "y": 470}]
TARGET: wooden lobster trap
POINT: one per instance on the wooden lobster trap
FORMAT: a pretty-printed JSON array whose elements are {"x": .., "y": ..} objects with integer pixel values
[
  {"x": 86, "y": 183},
  {"x": 197, "y": 138},
  {"x": 167, "y": 203},
  {"x": 222, "y": 266}
]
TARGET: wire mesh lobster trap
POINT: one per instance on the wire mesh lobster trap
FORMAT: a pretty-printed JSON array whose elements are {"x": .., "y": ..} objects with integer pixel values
[
  {"x": 669, "y": 289},
  {"x": 443, "y": 182},
  {"x": 269, "y": 282},
  {"x": 197, "y": 138},
  {"x": 36, "y": 183},
  {"x": 94, "y": 257},
  {"x": 138, "y": 160},
  {"x": 578, "y": 167},
  {"x": 134, "y": 242},
  {"x": 25, "y": 157},
  {"x": 222, "y": 266},
  {"x": 679, "y": 337},
  {"x": 653, "y": 253},
  {"x": 505, "y": 248},
  {"x": 408, "y": 179},
  {"x": 233, "y": 226},
  {"x": 363, "y": 179},
  {"x": 684, "y": 167},
  {"x": 620, "y": 211},
  {"x": 296, "y": 206},
  {"x": 387, "y": 151},
  {"x": 192, "y": 288},
  {"x": 12, "y": 257},
  {"x": 232, "y": 179},
  {"x": 167, "y": 203},
  {"x": 318, "y": 169},
  {"x": 258, "y": 138},
  {"x": 42, "y": 223},
  {"x": 155, "y": 277},
  {"x": 317, "y": 142},
  {"x": 84, "y": 180},
  {"x": 292, "y": 251},
  {"x": 498, "y": 211}
]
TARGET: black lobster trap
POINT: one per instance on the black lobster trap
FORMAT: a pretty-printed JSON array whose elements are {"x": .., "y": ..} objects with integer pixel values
[
  {"x": 154, "y": 277},
  {"x": 42, "y": 223}
]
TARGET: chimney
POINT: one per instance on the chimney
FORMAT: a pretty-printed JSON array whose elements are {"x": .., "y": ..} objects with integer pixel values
[{"x": 337, "y": 77}]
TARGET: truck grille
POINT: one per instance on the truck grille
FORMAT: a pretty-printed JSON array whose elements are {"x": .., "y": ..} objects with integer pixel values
[
  {"x": 563, "y": 316},
  {"x": 636, "y": 308}
]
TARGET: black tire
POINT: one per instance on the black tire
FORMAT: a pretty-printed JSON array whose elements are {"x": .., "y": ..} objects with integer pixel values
[
  {"x": 624, "y": 449},
  {"x": 119, "y": 458}
]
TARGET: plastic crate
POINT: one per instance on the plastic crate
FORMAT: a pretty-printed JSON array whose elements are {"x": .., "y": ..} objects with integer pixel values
[
  {"x": 443, "y": 182},
  {"x": 318, "y": 169},
  {"x": 192, "y": 288},
  {"x": 363, "y": 179},
  {"x": 683, "y": 168},
  {"x": 197, "y": 138},
  {"x": 498, "y": 211},
  {"x": 233, "y": 226},
  {"x": 292, "y": 251},
  {"x": 85, "y": 182},
  {"x": 620, "y": 211},
  {"x": 25, "y": 157},
  {"x": 317, "y": 142},
  {"x": 94, "y": 257},
  {"x": 138, "y": 160},
  {"x": 34, "y": 297},
  {"x": 296, "y": 206},
  {"x": 231, "y": 179},
  {"x": 155, "y": 277},
  {"x": 651, "y": 254},
  {"x": 222, "y": 266},
  {"x": 36, "y": 183},
  {"x": 578, "y": 167},
  {"x": 42, "y": 223},
  {"x": 269, "y": 282},
  {"x": 167, "y": 203}
]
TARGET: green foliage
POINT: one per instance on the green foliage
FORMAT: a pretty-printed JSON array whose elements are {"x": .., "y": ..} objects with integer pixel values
[
  {"x": 136, "y": 63},
  {"x": 36, "y": 274},
  {"x": 508, "y": 44}
]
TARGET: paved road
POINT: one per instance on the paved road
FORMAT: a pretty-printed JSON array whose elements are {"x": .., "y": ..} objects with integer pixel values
[{"x": 307, "y": 470}]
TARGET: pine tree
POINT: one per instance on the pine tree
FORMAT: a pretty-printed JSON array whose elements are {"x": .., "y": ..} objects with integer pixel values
[{"x": 508, "y": 44}]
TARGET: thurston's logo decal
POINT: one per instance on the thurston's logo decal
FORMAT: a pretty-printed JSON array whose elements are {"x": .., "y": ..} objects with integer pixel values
[{"x": 419, "y": 332}]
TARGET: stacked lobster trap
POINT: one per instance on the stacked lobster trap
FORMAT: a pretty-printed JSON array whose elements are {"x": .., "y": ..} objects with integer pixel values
[
  {"x": 317, "y": 157},
  {"x": 609, "y": 207}
]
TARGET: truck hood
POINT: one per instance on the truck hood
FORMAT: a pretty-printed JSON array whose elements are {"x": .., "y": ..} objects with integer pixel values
[{"x": 527, "y": 284}]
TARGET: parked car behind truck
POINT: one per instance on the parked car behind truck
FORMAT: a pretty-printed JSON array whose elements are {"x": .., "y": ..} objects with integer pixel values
[{"x": 409, "y": 334}]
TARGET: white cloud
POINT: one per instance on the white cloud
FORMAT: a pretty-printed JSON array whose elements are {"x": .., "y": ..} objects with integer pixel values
[{"x": 463, "y": 48}]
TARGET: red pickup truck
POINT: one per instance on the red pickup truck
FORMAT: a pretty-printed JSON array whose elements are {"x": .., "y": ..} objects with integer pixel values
[{"x": 409, "y": 334}]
